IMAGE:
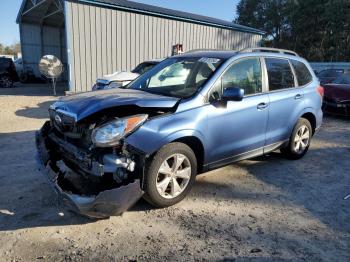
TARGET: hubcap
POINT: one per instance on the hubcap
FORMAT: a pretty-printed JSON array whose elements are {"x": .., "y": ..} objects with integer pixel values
[
  {"x": 301, "y": 139},
  {"x": 173, "y": 176}
]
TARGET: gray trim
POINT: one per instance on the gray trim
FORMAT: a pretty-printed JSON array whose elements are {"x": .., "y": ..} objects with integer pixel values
[{"x": 246, "y": 155}]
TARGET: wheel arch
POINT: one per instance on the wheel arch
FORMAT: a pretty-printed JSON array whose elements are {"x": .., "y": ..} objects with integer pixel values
[
  {"x": 197, "y": 147},
  {"x": 311, "y": 118}
]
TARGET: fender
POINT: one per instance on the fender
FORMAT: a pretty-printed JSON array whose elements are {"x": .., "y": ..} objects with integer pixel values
[
  {"x": 305, "y": 111},
  {"x": 150, "y": 148}
]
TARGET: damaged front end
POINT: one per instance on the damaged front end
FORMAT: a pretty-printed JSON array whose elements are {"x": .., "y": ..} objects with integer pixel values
[{"x": 96, "y": 182}]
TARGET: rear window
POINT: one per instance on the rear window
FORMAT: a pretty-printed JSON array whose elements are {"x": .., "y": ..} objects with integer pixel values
[
  {"x": 342, "y": 80},
  {"x": 330, "y": 73},
  {"x": 303, "y": 74},
  {"x": 279, "y": 73}
]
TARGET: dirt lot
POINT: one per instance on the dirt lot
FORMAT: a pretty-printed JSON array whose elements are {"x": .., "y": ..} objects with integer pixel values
[{"x": 266, "y": 209}]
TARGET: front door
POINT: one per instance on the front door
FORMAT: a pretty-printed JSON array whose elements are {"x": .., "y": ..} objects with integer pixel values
[{"x": 237, "y": 128}]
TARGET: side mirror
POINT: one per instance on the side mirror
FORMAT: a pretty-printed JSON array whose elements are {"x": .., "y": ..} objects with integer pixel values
[{"x": 233, "y": 94}]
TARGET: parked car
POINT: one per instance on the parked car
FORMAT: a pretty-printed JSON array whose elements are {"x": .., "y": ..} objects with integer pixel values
[
  {"x": 337, "y": 96},
  {"x": 25, "y": 73},
  {"x": 8, "y": 74},
  {"x": 122, "y": 78},
  {"x": 328, "y": 75},
  {"x": 103, "y": 149}
]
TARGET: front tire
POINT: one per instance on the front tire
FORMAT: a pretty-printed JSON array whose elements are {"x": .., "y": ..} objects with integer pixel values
[
  {"x": 170, "y": 175},
  {"x": 299, "y": 141}
]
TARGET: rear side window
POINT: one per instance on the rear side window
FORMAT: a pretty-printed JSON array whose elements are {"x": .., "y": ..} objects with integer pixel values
[
  {"x": 279, "y": 73},
  {"x": 303, "y": 74}
]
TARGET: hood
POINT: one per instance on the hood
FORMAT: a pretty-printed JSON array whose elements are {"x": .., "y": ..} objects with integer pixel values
[
  {"x": 85, "y": 104},
  {"x": 337, "y": 92},
  {"x": 118, "y": 76}
]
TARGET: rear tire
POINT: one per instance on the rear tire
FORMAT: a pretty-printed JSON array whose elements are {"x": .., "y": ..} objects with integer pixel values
[
  {"x": 299, "y": 141},
  {"x": 170, "y": 175},
  {"x": 6, "y": 82}
]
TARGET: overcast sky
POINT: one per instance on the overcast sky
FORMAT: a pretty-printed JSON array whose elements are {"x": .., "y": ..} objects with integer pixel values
[{"x": 222, "y": 9}]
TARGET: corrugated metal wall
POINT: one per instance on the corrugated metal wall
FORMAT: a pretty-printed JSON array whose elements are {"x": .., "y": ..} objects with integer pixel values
[
  {"x": 102, "y": 41},
  {"x": 53, "y": 43}
]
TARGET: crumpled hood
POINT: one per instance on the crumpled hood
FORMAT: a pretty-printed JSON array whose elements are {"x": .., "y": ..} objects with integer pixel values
[
  {"x": 85, "y": 104},
  {"x": 119, "y": 76},
  {"x": 337, "y": 92}
]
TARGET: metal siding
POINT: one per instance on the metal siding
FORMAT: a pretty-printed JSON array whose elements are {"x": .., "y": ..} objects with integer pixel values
[
  {"x": 146, "y": 37},
  {"x": 132, "y": 50},
  {"x": 109, "y": 55},
  {"x": 76, "y": 47},
  {"x": 30, "y": 42},
  {"x": 137, "y": 38},
  {"x": 153, "y": 27},
  {"x": 93, "y": 45},
  {"x": 118, "y": 43},
  {"x": 82, "y": 52},
  {"x": 98, "y": 42},
  {"x": 69, "y": 37},
  {"x": 104, "y": 41},
  {"x": 108, "y": 40},
  {"x": 88, "y": 63},
  {"x": 128, "y": 40}
]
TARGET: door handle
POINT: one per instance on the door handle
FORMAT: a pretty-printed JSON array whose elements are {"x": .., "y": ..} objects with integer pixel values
[
  {"x": 262, "y": 106},
  {"x": 298, "y": 96}
]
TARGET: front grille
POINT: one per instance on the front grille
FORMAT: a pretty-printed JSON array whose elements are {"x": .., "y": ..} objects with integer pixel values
[{"x": 67, "y": 128}]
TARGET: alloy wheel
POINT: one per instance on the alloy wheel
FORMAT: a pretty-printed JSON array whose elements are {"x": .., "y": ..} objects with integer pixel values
[
  {"x": 173, "y": 176},
  {"x": 301, "y": 139}
]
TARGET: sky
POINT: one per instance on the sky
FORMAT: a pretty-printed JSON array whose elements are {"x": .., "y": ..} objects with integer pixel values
[{"x": 222, "y": 9}]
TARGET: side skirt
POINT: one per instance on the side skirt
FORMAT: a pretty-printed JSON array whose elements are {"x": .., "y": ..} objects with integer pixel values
[{"x": 246, "y": 155}]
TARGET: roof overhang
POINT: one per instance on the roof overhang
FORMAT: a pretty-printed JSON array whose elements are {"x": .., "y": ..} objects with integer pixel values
[
  {"x": 48, "y": 12},
  {"x": 146, "y": 9}
]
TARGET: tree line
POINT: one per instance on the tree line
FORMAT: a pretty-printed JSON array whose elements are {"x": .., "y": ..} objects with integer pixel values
[
  {"x": 319, "y": 30},
  {"x": 13, "y": 49}
]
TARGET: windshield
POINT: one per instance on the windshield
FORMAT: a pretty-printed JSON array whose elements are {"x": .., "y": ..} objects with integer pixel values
[
  {"x": 343, "y": 79},
  {"x": 143, "y": 68},
  {"x": 177, "y": 77}
]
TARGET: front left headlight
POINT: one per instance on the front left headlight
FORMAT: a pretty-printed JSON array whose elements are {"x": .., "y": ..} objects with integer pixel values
[
  {"x": 115, "y": 85},
  {"x": 112, "y": 132}
]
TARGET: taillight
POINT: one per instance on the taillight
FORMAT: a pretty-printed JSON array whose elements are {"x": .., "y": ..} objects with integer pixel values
[{"x": 320, "y": 90}]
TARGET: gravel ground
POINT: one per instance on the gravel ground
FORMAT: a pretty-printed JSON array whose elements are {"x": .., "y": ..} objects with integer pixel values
[{"x": 266, "y": 209}]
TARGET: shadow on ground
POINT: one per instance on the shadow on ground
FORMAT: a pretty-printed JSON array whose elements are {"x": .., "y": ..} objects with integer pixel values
[
  {"x": 33, "y": 90},
  {"x": 38, "y": 112}
]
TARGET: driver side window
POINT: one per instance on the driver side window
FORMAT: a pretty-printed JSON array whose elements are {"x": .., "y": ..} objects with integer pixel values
[{"x": 245, "y": 74}]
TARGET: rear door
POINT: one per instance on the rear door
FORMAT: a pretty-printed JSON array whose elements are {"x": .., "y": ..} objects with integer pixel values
[{"x": 286, "y": 101}]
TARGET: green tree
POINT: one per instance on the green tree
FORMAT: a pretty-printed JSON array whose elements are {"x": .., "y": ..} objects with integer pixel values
[
  {"x": 13, "y": 49},
  {"x": 267, "y": 15},
  {"x": 317, "y": 29}
]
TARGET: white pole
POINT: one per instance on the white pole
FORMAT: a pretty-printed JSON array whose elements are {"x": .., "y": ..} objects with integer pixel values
[{"x": 54, "y": 86}]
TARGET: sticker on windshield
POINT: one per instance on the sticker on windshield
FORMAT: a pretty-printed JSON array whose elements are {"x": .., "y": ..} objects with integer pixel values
[{"x": 209, "y": 60}]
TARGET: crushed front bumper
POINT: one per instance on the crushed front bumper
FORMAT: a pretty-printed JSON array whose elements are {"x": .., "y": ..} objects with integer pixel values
[{"x": 106, "y": 203}]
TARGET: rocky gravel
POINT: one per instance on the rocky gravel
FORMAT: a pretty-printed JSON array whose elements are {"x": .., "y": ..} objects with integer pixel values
[{"x": 264, "y": 209}]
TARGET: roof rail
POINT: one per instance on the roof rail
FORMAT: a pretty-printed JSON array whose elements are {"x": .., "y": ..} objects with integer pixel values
[
  {"x": 204, "y": 50},
  {"x": 269, "y": 49}
]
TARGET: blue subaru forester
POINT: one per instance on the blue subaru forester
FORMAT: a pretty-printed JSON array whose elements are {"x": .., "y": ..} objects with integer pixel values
[{"x": 189, "y": 114}]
